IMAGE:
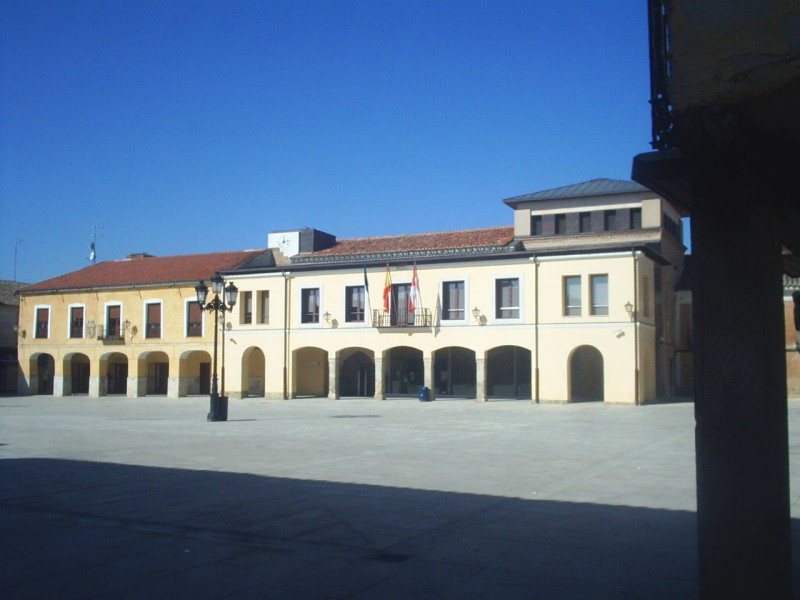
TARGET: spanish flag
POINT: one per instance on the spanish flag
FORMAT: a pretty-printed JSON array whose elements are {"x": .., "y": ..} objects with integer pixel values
[{"x": 387, "y": 290}]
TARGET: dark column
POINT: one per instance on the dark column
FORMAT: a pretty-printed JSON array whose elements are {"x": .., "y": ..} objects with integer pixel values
[
  {"x": 743, "y": 517},
  {"x": 548, "y": 224}
]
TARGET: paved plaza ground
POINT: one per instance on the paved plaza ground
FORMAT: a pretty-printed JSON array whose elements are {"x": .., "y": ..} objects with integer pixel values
[{"x": 142, "y": 498}]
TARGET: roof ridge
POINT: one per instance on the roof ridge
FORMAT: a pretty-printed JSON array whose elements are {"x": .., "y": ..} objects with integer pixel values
[
  {"x": 165, "y": 256},
  {"x": 421, "y": 233}
]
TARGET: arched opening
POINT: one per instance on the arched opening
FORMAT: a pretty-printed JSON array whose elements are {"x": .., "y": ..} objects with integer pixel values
[
  {"x": 113, "y": 374},
  {"x": 586, "y": 375},
  {"x": 156, "y": 367},
  {"x": 310, "y": 372},
  {"x": 403, "y": 371},
  {"x": 194, "y": 373},
  {"x": 454, "y": 372},
  {"x": 76, "y": 374},
  {"x": 254, "y": 366},
  {"x": 508, "y": 373},
  {"x": 357, "y": 374},
  {"x": 43, "y": 368}
]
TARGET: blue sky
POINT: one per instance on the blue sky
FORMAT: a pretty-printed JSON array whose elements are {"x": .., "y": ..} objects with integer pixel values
[{"x": 198, "y": 126}]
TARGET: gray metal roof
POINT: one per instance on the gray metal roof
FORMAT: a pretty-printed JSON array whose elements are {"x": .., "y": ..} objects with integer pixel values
[{"x": 593, "y": 187}]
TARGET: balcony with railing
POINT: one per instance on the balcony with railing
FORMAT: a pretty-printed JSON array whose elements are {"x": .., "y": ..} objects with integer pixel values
[
  {"x": 396, "y": 319},
  {"x": 110, "y": 335}
]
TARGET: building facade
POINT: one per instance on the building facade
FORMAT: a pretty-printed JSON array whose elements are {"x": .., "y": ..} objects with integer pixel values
[
  {"x": 128, "y": 327},
  {"x": 9, "y": 333},
  {"x": 575, "y": 301}
]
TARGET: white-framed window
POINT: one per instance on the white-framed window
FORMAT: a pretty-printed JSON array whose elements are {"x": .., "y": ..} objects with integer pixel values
[
  {"x": 572, "y": 295},
  {"x": 76, "y": 314},
  {"x": 41, "y": 321},
  {"x": 112, "y": 320},
  {"x": 508, "y": 297},
  {"x": 598, "y": 288},
  {"x": 262, "y": 315},
  {"x": 310, "y": 303},
  {"x": 193, "y": 318},
  {"x": 246, "y": 308},
  {"x": 355, "y": 304},
  {"x": 153, "y": 318},
  {"x": 453, "y": 300}
]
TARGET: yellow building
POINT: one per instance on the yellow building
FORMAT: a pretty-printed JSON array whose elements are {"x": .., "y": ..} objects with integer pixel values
[
  {"x": 121, "y": 327},
  {"x": 573, "y": 302}
]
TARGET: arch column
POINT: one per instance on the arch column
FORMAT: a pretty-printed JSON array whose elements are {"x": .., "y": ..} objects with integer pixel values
[
  {"x": 427, "y": 376},
  {"x": 94, "y": 383},
  {"x": 333, "y": 377},
  {"x": 172, "y": 387},
  {"x": 480, "y": 379},
  {"x": 61, "y": 385},
  {"x": 379, "y": 395}
]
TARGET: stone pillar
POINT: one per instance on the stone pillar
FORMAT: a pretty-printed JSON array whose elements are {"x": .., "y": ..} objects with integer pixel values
[
  {"x": 173, "y": 387},
  {"x": 480, "y": 379},
  {"x": 58, "y": 386},
  {"x": 333, "y": 378},
  {"x": 743, "y": 522},
  {"x": 427, "y": 377},
  {"x": 379, "y": 395},
  {"x": 137, "y": 387},
  {"x": 94, "y": 386}
]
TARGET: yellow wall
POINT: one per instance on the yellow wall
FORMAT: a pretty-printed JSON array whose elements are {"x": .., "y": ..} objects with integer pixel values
[
  {"x": 612, "y": 334},
  {"x": 182, "y": 353}
]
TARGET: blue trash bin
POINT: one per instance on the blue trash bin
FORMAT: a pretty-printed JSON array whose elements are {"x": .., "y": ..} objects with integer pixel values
[{"x": 424, "y": 394}]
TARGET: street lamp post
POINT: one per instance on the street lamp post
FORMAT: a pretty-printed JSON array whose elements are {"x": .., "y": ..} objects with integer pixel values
[{"x": 219, "y": 404}]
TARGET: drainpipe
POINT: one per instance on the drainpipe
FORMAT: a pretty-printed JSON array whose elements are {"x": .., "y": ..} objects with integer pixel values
[
  {"x": 285, "y": 334},
  {"x": 635, "y": 256},
  {"x": 536, "y": 327}
]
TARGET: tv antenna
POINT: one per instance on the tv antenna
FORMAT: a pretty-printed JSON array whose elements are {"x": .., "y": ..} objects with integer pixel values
[
  {"x": 17, "y": 244},
  {"x": 97, "y": 231}
]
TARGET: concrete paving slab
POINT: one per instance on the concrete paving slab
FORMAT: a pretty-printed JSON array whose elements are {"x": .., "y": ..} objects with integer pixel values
[{"x": 134, "y": 498}]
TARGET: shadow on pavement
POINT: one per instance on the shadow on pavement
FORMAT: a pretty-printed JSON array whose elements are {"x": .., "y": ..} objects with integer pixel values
[{"x": 90, "y": 529}]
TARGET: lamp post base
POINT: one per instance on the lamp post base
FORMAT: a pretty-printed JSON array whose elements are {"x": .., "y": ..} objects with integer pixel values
[{"x": 219, "y": 408}]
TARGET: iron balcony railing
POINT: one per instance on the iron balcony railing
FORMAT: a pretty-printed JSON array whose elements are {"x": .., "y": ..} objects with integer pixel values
[
  {"x": 420, "y": 317},
  {"x": 109, "y": 335}
]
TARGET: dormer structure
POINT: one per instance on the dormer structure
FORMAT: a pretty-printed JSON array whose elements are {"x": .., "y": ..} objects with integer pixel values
[{"x": 598, "y": 212}]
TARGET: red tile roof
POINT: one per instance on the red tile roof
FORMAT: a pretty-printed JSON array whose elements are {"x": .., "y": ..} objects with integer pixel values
[
  {"x": 464, "y": 238},
  {"x": 148, "y": 270}
]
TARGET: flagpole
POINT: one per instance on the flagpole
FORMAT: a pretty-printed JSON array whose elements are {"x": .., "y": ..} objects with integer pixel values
[{"x": 366, "y": 294}]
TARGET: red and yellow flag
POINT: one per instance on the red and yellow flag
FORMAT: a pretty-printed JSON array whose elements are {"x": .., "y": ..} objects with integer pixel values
[{"x": 387, "y": 289}]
